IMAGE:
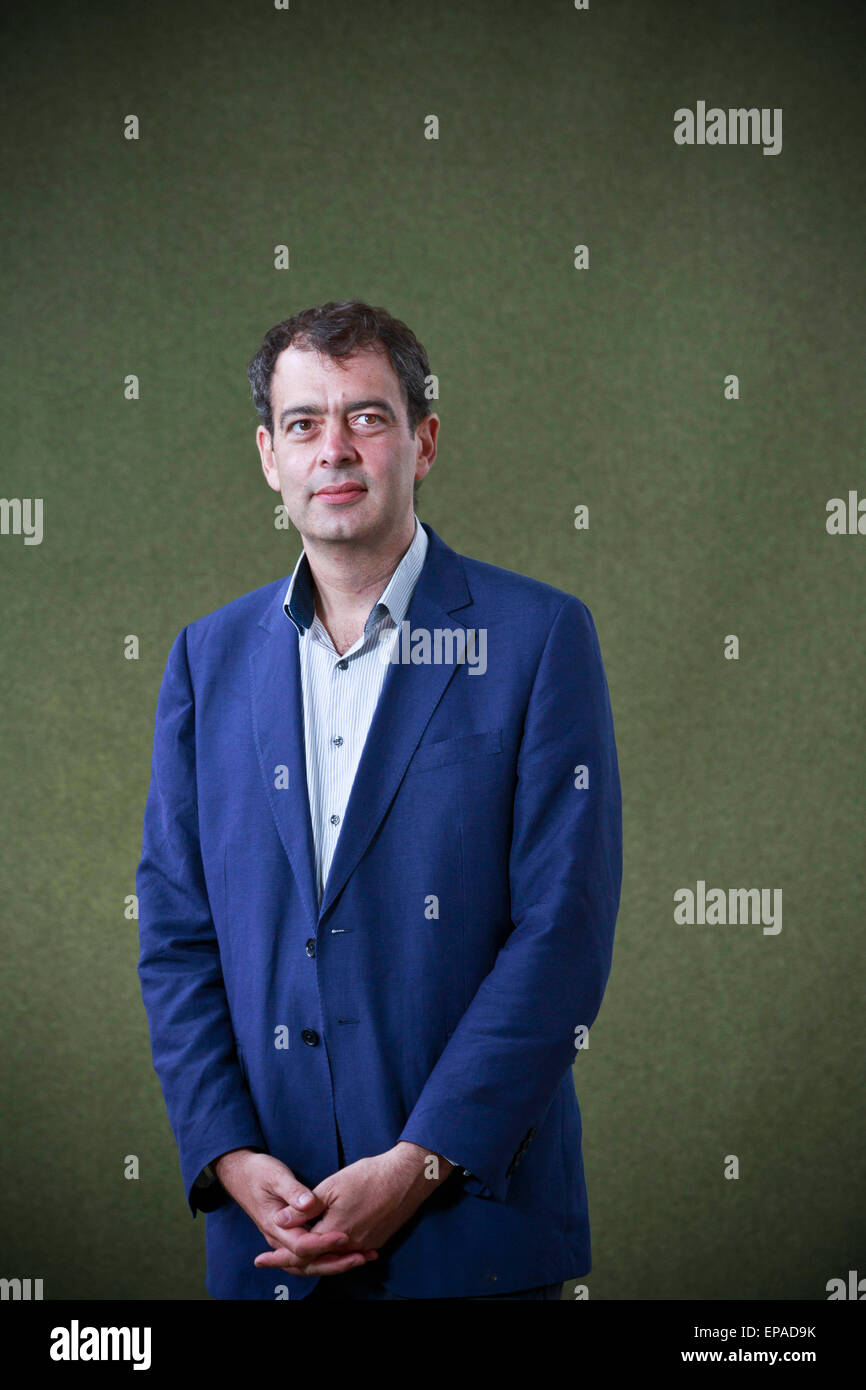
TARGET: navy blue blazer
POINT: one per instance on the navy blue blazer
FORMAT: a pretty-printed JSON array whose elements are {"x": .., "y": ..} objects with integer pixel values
[{"x": 465, "y": 933}]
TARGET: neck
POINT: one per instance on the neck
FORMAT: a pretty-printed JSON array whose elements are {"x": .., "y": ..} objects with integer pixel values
[{"x": 349, "y": 578}]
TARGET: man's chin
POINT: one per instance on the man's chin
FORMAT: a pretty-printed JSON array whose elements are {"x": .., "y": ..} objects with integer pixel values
[{"x": 347, "y": 519}]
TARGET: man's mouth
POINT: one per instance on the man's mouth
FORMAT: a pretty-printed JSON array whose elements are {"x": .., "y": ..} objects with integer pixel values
[{"x": 340, "y": 493}]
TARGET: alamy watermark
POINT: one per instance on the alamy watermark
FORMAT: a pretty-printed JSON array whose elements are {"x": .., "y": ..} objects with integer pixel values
[
  {"x": 77, "y": 1343},
  {"x": 438, "y": 646},
  {"x": 720, "y": 907},
  {"x": 737, "y": 126},
  {"x": 22, "y": 516}
]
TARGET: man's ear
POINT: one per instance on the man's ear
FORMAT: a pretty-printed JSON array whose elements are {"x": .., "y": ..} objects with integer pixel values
[{"x": 264, "y": 443}]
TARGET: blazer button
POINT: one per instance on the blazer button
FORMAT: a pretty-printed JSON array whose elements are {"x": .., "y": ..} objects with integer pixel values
[
  {"x": 311, "y": 946},
  {"x": 310, "y": 1037}
]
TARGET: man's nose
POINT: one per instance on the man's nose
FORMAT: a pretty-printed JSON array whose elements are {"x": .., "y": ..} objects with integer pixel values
[{"x": 337, "y": 442}]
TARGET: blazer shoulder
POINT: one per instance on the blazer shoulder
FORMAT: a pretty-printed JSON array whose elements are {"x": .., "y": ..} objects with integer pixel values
[
  {"x": 530, "y": 599},
  {"x": 237, "y": 619}
]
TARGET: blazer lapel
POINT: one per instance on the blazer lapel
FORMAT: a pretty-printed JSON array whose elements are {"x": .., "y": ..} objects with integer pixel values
[
  {"x": 278, "y": 730},
  {"x": 409, "y": 696}
]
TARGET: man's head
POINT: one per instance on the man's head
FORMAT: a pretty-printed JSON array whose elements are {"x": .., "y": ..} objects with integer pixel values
[{"x": 340, "y": 391}]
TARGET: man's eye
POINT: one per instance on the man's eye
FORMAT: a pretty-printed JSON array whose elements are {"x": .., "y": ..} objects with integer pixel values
[
  {"x": 300, "y": 422},
  {"x": 369, "y": 415}
]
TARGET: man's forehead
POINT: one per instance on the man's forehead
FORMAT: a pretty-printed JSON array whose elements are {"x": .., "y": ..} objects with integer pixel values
[{"x": 305, "y": 366}]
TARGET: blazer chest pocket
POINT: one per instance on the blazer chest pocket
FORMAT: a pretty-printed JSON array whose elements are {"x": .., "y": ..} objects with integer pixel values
[{"x": 467, "y": 748}]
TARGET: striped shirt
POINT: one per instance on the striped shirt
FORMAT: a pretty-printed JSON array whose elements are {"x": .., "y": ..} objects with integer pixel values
[{"x": 340, "y": 693}]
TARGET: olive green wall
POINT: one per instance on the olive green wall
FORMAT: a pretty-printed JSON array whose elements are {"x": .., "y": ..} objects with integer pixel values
[{"x": 558, "y": 386}]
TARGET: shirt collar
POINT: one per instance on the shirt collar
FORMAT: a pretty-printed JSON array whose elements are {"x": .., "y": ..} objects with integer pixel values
[{"x": 299, "y": 603}]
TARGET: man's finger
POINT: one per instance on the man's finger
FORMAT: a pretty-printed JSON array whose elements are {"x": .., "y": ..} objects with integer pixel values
[
  {"x": 304, "y": 1243},
  {"x": 334, "y": 1263},
  {"x": 308, "y": 1203},
  {"x": 288, "y": 1217},
  {"x": 300, "y": 1198}
]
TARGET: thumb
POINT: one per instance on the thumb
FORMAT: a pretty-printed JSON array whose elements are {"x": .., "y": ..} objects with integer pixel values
[{"x": 298, "y": 1199}]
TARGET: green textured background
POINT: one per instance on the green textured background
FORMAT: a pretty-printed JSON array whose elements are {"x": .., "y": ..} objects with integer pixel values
[{"x": 557, "y": 387}]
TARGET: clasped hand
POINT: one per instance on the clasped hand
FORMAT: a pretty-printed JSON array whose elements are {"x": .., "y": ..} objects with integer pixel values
[{"x": 344, "y": 1221}]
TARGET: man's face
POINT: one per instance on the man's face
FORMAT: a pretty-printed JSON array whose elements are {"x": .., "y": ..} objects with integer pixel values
[{"x": 341, "y": 456}]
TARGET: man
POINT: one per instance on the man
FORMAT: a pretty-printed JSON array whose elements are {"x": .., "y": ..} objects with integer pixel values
[{"x": 380, "y": 872}]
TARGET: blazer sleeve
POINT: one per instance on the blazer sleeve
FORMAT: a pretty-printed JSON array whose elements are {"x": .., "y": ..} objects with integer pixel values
[
  {"x": 192, "y": 1040},
  {"x": 499, "y": 1072}
]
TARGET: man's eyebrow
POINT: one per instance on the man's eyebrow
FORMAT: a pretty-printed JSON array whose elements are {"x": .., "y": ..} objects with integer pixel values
[{"x": 366, "y": 404}]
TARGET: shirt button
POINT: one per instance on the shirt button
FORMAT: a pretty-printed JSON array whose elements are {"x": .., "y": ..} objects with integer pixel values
[
  {"x": 338, "y": 741},
  {"x": 310, "y": 1037},
  {"x": 341, "y": 665},
  {"x": 335, "y": 819},
  {"x": 311, "y": 946}
]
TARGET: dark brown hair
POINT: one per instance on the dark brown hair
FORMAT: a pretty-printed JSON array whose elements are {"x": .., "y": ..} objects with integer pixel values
[{"x": 339, "y": 330}]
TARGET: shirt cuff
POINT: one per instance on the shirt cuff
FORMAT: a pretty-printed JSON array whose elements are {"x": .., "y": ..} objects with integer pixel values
[
  {"x": 208, "y": 1192},
  {"x": 466, "y": 1172}
]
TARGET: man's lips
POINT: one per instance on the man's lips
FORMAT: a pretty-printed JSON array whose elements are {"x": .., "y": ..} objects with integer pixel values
[{"x": 340, "y": 492}]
